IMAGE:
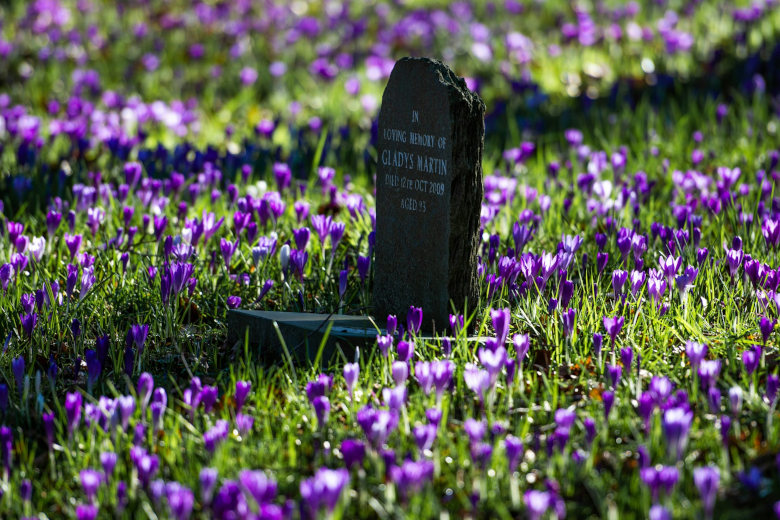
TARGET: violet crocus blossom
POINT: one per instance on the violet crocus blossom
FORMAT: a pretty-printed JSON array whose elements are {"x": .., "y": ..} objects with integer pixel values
[
  {"x": 405, "y": 350},
  {"x": 766, "y": 326},
  {"x": 324, "y": 489},
  {"x": 706, "y": 479},
  {"x": 568, "y": 321},
  {"x": 354, "y": 451},
  {"x": 400, "y": 371},
  {"x": 90, "y": 482},
  {"x": 477, "y": 380},
  {"x": 696, "y": 352},
  {"x": 537, "y": 503},
  {"x": 414, "y": 319},
  {"x": 676, "y": 424},
  {"x": 242, "y": 391},
  {"x": 613, "y": 325},
  {"x": 751, "y": 358},
  {"x": 501, "y": 319},
  {"x": 384, "y": 343},
  {"x": 514, "y": 451},
  {"x": 411, "y": 476},
  {"x": 72, "y": 411},
  {"x": 17, "y": 367}
]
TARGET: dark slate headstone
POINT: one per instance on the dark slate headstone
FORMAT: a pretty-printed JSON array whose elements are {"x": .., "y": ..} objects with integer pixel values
[{"x": 429, "y": 193}]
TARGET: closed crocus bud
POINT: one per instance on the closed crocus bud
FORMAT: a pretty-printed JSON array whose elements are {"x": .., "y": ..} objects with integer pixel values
[
  {"x": 400, "y": 371},
  {"x": 405, "y": 350},
  {"x": 343, "y": 283},
  {"x": 284, "y": 256},
  {"x": 772, "y": 383},
  {"x": 392, "y": 324},
  {"x": 735, "y": 400},
  {"x": 351, "y": 373}
]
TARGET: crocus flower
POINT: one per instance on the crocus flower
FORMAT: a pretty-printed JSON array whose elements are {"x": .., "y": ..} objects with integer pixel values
[
  {"x": 17, "y": 367},
  {"x": 567, "y": 318},
  {"x": 659, "y": 512},
  {"x": 613, "y": 325},
  {"x": 90, "y": 482},
  {"x": 537, "y": 503},
  {"x": 257, "y": 485},
  {"x": 696, "y": 352},
  {"x": 514, "y": 451},
  {"x": 708, "y": 372},
  {"x": 750, "y": 358},
  {"x": 405, "y": 350},
  {"x": 145, "y": 388},
  {"x": 676, "y": 424},
  {"x": 392, "y": 324},
  {"x": 72, "y": 411},
  {"x": 354, "y": 452},
  {"x": 108, "y": 461},
  {"x": 522, "y": 343},
  {"x": 706, "y": 479},
  {"x": 619, "y": 278},
  {"x": 626, "y": 357},
  {"x": 400, "y": 371},
  {"x": 608, "y": 398},
  {"x": 772, "y": 385},
  {"x": 735, "y": 400},
  {"x": 476, "y": 380},
  {"x": 414, "y": 319},
  {"x": 321, "y": 406},
  {"x": 501, "y": 319},
  {"x": 442, "y": 375},
  {"x": 411, "y": 476},
  {"x": 324, "y": 489},
  {"x": 766, "y": 326},
  {"x": 208, "y": 481}
]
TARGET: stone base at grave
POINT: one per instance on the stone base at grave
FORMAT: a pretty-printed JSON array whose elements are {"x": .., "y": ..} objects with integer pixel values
[{"x": 303, "y": 333}]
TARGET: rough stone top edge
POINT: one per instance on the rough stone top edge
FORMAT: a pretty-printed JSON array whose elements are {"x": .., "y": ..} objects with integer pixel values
[{"x": 448, "y": 79}]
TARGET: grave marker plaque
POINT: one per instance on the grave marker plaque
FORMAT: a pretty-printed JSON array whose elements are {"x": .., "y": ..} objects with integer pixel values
[{"x": 429, "y": 192}]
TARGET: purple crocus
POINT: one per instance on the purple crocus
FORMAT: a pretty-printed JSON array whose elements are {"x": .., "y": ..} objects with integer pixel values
[
  {"x": 706, "y": 479},
  {"x": 321, "y": 406},
  {"x": 405, "y": 350},
  {"x": 619, "y": 278},
  {"x": 750, "y": 358},
  {"x": 537, "y": 503},
  {"x": 613, "y": 325},
  {"x": 354, "y": 451},
  {"x": 414, "y": 319},
  {"x": 400, "y": 371},
  {"x": 696, "y": 352},
  {"x": 90, "y": 482},
  {"x": 514, "y": 451},
  {"x": 567, "y": 319},
  {"x": 766, "y": 326},
  {"x": 501, "y": 319},
  {"x": 242, "y": 391},
  {"x": 608, "y": 398},
  {"x": 411, "y": 476},
  {"x": 324, "y": 489},
  {"x": 17, "y": 367},
  {"x": 72, "y": 411},
  {"x": 676, "y": 424}
]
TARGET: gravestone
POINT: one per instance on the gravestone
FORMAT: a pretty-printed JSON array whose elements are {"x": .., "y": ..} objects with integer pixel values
[{"x": 428, "y": 193}]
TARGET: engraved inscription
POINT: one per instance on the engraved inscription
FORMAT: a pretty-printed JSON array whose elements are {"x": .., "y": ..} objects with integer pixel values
[{"x": 419, "y": 157}]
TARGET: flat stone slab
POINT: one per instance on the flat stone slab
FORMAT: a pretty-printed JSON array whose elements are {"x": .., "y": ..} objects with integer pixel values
[{"x": 303, "y": 333}]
